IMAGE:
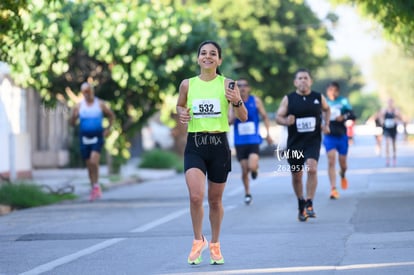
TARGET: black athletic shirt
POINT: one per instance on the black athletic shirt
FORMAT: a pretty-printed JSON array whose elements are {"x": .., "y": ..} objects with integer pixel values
[
  {"x": 390, "y": 122},
  {"x": 307, "y": 127}
]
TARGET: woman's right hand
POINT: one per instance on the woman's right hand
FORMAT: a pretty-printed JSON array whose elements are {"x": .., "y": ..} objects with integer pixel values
[{"x": 184, "y": 115}]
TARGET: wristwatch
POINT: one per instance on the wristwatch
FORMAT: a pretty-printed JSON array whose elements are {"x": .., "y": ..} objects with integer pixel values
[{"x": 238, "y": 104}]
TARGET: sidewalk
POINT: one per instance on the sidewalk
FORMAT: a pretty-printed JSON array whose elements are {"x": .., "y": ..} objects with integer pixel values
[{"x": 77, "y": 178}]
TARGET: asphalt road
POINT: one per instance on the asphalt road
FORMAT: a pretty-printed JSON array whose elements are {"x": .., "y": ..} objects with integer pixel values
[{"x": 145, "y": 228}]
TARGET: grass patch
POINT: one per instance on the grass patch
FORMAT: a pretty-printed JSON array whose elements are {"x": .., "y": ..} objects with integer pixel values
[
  {"x": 161, "y": 159},
  {"x": 24, "y": 195}
]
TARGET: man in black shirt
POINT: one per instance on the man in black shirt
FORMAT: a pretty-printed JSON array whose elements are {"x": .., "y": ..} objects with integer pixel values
[{"x": 302, "y": 111}]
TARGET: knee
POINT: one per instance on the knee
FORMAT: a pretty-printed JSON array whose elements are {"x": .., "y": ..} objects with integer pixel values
[
  {"x": 312, "y": 171},
  {"x": 94, "y": 159},
  {"x": 196, "y": 199},
  {"x": 297, "y": 178},
  {"x": 93, "y": 162},
  {"x": 312, "y": 168},
  {"x": 215, "y": 203},
  {"x": 331, "y": 160}
]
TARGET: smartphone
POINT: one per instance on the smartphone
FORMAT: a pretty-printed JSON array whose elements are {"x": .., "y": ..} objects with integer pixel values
[{"x": 231, "y": 85}]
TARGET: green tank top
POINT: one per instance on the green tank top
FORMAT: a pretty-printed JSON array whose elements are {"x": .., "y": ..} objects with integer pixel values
[{"x": 208, "y": 105}]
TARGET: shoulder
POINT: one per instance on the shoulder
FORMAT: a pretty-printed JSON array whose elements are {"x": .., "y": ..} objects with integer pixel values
[
  {"x": 290, "y": 95},
  {"x": 77, "y": 107},
  {"x": 343, "y": 99},
  {"x": 185, "y": 84},
  {"x": 102, "y": 103},
  {"x": 256, "y": 99},
  {"x": 80, "y": 103},
  {"x": 316, "y": 94},
  {"x": 285, "y": 99}
]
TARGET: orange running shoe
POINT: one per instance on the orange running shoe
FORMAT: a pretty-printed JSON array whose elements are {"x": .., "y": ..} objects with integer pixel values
[
  {"x": 215, "y": 254},
  {"x": 334, "y": 194},
  {"x": 309, "y": 209},
  {"x": 344, "y": 183},
  {"x": 198, "y": 247}
]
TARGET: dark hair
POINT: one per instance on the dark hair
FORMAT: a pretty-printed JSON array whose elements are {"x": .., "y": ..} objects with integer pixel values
[
  {"x": 215, "y": 44},
  {"x": 302, "y": 70},
  {"x": 334, "y": 84}
]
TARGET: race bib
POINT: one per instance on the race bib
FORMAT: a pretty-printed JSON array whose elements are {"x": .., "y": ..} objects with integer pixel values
[
  {"x": 203, "y": 108},
  {"x": 246, "y": 128},
  {"x": 89, "y": 141},
  {"x": 389, "y": 123},
  {"x": 306, "y": 124},
  {"x": 335, "y": 112}
]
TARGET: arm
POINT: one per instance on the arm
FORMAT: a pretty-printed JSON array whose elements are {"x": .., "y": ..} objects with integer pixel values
[
  {"x": 326, "y": 114},
  {"x": 282, "y": 117},
  {"x": 75, "y": 115},
  {"x": 265, "y": 118},
  {"x": 183, "y": 111},
  {"x": 398, "y": 116},
  {"x": 110, "y": 115},
  {"x": 381, "y": 117},
  {"x": 347, "y": 112},
  {"x": 231, "y": 115},
  {"x": 233, "y": 96}
]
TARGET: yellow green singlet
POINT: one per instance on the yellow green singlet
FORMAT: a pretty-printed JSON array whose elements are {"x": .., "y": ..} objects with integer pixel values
[{"x": 208, "y": 105}]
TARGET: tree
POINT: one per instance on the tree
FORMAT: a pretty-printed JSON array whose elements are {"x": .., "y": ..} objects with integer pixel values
[
  {"x": 10, "y": 25},
  {"x": 396, "y": 83},
  {"x": 344, "y": 71},
  {"x": 134, "y": 52},
  {"x": 350, "y": 79},
  {"x": 364, "y": 105},
  {"x": 396, "y": 17},
  {"x": 12, "y": 29},
  {"x": 270, "y": 39}
]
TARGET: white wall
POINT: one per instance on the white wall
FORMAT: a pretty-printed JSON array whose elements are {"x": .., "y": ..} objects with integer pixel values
[
  {"x": 13, "y": 127},
  {"x": 4, "y": 140}
]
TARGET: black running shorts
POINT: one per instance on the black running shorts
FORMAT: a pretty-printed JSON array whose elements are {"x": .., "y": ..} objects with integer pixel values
[
  {"x": 299, "y": 153},
  {"x": 209, "y": 152},
  {"x": 243, "y": 151},
  {"x": 89, "y": 143}
]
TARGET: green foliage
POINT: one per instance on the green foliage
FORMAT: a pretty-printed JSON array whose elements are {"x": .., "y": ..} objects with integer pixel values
[
  {"x": 24, "y": 195},
  {"x": 364, "y": 105},
  {"x": 344, "y": 71},
  {"x": 161, "y": 159},
  {"x": 396, "y": 17},
  {"x": 137, "y": 52},
  {"x": 271, "y": 39},
  {"x": 393, "y": 71},
  {"x": 134, "y": 52},
  {"x": 11, "y": 25}
]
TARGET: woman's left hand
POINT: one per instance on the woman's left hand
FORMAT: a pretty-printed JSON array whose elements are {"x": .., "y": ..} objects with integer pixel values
[{"x": 233, "y": 95}]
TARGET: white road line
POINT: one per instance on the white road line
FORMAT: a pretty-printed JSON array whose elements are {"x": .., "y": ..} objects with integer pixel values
[
  {"x": 110, "y": 242},
  {"x": 297, "y": 269},
  {"x": 102, "y": 245},
  {"x": 70, "y": 258}
]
